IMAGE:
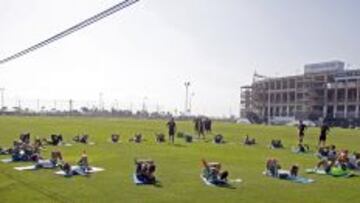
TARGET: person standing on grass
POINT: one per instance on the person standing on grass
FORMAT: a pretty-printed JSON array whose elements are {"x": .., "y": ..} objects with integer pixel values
[
  {"x": 199, "y": 127},
  {"x": 301, "y": 128},
  {"x": 324, "y": 129},
  {"x": 172, "y": 129}
]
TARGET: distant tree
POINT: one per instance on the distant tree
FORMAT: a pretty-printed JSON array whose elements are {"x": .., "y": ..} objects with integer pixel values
[{"x": 85, "y": 109}]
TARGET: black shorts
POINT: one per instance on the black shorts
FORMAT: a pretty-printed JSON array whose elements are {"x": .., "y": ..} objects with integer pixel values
[
  {"x": 301, "y": 134},
  {"x": 171, "y": 133},
  {"x": 322, "y": 138}
]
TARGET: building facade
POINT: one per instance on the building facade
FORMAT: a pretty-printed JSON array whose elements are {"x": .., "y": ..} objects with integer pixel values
[{"x": 324, "y": 90}]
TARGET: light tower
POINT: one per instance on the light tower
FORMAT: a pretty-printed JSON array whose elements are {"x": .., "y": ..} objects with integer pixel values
[
  {"x": 190, "y": 101},
  {"x": 144, "y": 104},
  {"x": 2, "y": 98},
  {"x": 187, "y": 84}
]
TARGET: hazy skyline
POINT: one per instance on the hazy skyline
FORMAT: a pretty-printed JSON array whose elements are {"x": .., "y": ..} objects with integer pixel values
[{"x": 151, "y": 48}]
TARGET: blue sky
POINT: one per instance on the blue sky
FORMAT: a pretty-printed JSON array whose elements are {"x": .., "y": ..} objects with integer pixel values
[{"x": 152, "y": 48}]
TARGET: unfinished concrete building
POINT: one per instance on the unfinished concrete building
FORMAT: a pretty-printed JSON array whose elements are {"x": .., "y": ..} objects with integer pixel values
[{"x": 325, "y": 90}]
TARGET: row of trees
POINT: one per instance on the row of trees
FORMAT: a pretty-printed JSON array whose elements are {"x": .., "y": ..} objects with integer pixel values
[{"x": 85, "y": 111}]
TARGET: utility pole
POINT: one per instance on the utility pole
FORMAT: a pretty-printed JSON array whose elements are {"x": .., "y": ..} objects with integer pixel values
[
  {"x": 19, "y": 104},
  {"x": 55, "y": 105},
  {"x": 101, "y": 101},
  {"x": 157, "y": 107},
  {"x": 144, "y": 104},
  {"x": 71, "y": 103},
  {"x": 187, "y": 84},
  {"x": 2, "y": 98},
  {"x": 38, "y": 105},
  {"x": 190, "y": 101}
]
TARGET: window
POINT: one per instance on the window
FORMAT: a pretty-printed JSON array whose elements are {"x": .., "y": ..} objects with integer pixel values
[
  {"x": 292, "y": 83},
  {"x": 278, "y": 98},
  {"x": 341, "y": 95},
  {"x": 272, "y": 85},
  {"x": 352, "y": 94},
  {"x": 278, "y": 84},
  {"x": 351, "y": 108},
  {"x": 331, "y": 95},
  {"x": 291, "y": 110},
  {"x": 277, "y": 111},
  {"x": 285, "y": 97},
  {"x": 285, "y": 84},
  {"x": 283, "y": 111},
  {"x": 340, "y": 108},
  {"x": 292, "y": 96},
  {"x": 300, "y": 96}
]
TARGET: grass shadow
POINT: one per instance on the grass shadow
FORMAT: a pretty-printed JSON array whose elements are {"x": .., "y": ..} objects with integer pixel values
[
  {"x": 158, "y": 184},
  {"x": 179, "y": 145}
]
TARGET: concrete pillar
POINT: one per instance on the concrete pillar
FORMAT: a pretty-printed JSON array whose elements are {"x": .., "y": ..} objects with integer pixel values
[
  {"x": 357, "y": 99},
  {"x": 346, "y": 99},
  {"x": 325, "y": 98},
  {"x": 335, "y": 99}
]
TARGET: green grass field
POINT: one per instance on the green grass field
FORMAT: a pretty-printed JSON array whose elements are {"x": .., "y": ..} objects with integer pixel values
[{"x": 178, "y": 166}]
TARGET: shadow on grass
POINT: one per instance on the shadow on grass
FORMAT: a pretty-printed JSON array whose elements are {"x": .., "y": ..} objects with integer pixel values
[
  {"x": 227, "y": 186},
  {"x": 179, "y": 145},
  {"x": 158, "y": 184}
]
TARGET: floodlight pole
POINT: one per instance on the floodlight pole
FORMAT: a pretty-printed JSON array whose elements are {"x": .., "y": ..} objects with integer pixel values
[
  {"x": 187, "y": 84},
  {"x": 190, "y": 101},
  {"x": 144, "y": 104},
  {"x": 2, "y": 98},
  {"x": 101, "y": 101},
  {"x": 269, "y": 103}
]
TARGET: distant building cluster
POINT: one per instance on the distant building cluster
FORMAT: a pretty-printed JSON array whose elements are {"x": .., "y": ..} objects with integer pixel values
[{"x": 324, "y": 91}]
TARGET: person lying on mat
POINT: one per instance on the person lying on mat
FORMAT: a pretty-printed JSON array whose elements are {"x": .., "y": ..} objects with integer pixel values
[
  {"x": 81, "y": 139},
  {"x": 25, "y": 152},
  {"x": 273, "y": 167},
  {"x": 5, "y": 151},
  {"x": 115, "y": 138},
  {"x": 343, "y": 157},
  {"x": 323, "y": 152},
  {"x": 354, "y": 161},
  {"x": 276, "y": 144},
  {"x": 54, "y": 140},
  {"x": 56, "y": 157},
  {"x": 38, "y": 143},
  {"x": 249, "y": 141},
  {"x": 145, "y": 171},
  {"x": 326, "y": 165},
  {"x": 82, "y": 168},
  {"x": 302, "y": 148},
  {"x": 160, "y": 138},
  {"x": 331, "y": 168},
  {"x": 84, "y": 162},
  {"x": 212, "y": 173},
  {"x": 25, "y": 138},
  {"x": 137, "y": 138},
  {"x": 332, "y": 152},
  {"x": 219, "y": 139},
  {"x": 294, "y": 171}
]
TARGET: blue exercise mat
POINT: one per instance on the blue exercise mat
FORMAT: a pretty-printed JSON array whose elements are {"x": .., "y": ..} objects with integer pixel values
[
  {"x": 221, "y": 184},
  {"x": 298, "y": 179},
  {"x": 137, "y": 181}
]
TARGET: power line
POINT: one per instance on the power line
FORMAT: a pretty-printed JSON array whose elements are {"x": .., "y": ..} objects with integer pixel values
[{"x": 72, "y": 29}]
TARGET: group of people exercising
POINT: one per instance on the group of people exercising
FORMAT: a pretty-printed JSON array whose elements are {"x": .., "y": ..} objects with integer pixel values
[
  {"x": 23, "y": 150},
  {"x": 330, "y": 159},
  {"x": 337, "y": 162}
]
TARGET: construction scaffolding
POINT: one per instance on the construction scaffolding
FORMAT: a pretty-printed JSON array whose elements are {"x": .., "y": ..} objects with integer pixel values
[{"x": 324, "y": 90}]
